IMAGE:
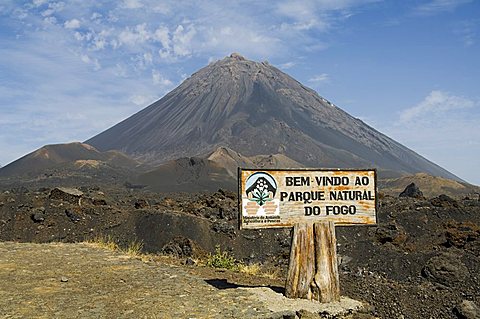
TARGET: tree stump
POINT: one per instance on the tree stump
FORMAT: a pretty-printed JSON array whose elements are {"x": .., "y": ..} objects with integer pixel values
[{"x": 313, "y": 270}]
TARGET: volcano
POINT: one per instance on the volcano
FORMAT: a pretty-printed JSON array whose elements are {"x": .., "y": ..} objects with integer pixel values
[{"x": 254, "y": 109}]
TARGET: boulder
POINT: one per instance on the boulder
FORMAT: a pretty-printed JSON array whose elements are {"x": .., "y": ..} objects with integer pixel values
[
  {"x": 445, "y": 269},
  {"x": 458, "y": 234},
  {"x": 99, "y": 202},
  {"x": 391, "y": 233},
  {"x": 72, "y": 216},
  {"x": 38, "y": 216},
  {"x": 71, "y": 195},
  {"x": 412, "y": 190},
  {"x": 444, "y": 201},
  {"x": 141, "y": 203},
  {"x": 182, "y": 247}
]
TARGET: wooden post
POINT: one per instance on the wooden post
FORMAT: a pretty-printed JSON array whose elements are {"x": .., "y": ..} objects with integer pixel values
[
  {"x": 326, "y": 266},
  {"x": 313, "y": 270},
  {"x": 302, "y": 258}
]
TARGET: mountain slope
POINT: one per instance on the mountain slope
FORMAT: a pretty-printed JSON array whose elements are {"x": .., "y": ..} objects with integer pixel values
[
  {"x": 254, "y": 108},
  {"x": 231, "y": 161},
  {"x": 430, "y": 186},
  {"x": 218, "y": 170},
  {"x": 191, "y": 174},
  {"x": 71, "y": 155}
]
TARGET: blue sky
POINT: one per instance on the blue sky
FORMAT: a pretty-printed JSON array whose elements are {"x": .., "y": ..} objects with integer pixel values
[{"x": 410, "y": 69}]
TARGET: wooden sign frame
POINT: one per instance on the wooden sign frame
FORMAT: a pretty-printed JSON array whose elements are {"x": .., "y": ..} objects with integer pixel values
[{"x": 353, "y": 212}]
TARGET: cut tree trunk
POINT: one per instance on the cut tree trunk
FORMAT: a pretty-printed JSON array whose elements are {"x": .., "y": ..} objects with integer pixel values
[{"x": 313, "y": 270}]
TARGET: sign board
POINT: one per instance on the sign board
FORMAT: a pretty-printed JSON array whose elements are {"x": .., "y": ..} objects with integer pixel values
[{"x": 281, "y": 198}]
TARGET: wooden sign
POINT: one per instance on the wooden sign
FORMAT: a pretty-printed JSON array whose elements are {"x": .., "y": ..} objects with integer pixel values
[{"x": 283, "y": 198}]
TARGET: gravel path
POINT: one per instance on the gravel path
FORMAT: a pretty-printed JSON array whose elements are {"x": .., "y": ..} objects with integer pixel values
[{"x": 83, "y": 281}]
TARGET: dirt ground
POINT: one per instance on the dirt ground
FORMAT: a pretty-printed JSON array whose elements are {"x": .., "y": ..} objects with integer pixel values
[{"x": 83, "y": 281}]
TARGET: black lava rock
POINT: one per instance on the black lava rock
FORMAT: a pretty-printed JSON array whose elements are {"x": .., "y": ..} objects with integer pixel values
[
  {"x": 411, "y": 190},
  {"x": 445, "y": 269},
  {"x": 38, "y": 217},
  {"x": 141, "y": 203},
  {"x": 444, "y": 201},
  {"x": 181, "y": 247},
  {"x": 72, "y": 216}
]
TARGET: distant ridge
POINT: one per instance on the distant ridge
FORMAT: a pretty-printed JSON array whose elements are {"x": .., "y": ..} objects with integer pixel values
[
  {"x": 430, "y": 186},
  {"x": 231, "y": 160},
  {"x": 56, "y": 155},
  {"x": 253, "y": 108},
  {"x": 217, "y": 170}
]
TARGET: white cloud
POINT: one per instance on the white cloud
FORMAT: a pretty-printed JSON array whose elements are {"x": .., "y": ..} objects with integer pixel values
[
  {"x": 142, "y": 100},
  {"x": 162, "y": 34},
  {"x": 162, "y": 8},
  {"x": 134, "y": 36},
  {"x": 99, "y": 43},
  {"x": 438, "y": 6},
  {"x": 96, "y": 16},
  {"x": 176, "y": 44},
  {"x": 85, "y": 58},
  {"x": 287, "y": 65},
  {"x": 48, "y": 12},
  {"x": 50, "y": 20},
  {"x": 253, "y": 43},
  {"x": 72, "y": 24},
  {"x": 92, "y": 61},
  {"x": 38, "y": 3},
  {"x": 320, "y": 78},
  {"x": 19, "y": 13},
  {"x": 148, "y": 58},
  {"x": 467, "y": 31},
  {"x": 177, "y": 31},
  {"x": 182, "y": 39},
  {"x": 132, "y": 4},
  {"x": 302, "y": 15},
  {"x": 53, "y": 8},
  {"x": 437, "y": 103},
  {"x": 319, "y": 15},
  {"x": 120, "y": 70},
  {"x": 83, "y": 37},
  {"x": 159, "y": 79},
  {"x": 112, "y": 18}
]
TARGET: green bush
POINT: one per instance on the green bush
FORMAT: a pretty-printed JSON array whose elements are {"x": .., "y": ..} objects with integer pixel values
[{"x": 221, "y": 259}]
